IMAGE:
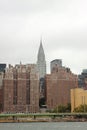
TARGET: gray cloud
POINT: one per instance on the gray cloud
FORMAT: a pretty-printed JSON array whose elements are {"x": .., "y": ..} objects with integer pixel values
[
  {"x": 62, "y": 24},
  {"x": 25, "y": 6}
]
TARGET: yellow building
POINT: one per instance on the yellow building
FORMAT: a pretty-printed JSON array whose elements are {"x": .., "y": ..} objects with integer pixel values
[{"x": 78, "y": 97}]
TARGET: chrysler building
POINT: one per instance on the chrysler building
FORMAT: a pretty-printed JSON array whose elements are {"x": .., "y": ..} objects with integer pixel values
[{"x": 41, "y": 63}]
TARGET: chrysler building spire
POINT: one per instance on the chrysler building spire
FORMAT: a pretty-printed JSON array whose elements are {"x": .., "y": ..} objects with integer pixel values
[{"x": 41, "y": 63}]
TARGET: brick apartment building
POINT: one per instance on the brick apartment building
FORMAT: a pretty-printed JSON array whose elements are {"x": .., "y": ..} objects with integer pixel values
[
  {"x": 58, "y": 85},
  {"x": 21, "y": 89}
]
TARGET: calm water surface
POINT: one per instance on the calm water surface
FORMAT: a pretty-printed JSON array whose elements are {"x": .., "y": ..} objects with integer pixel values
[{"x": 44, "y": 126}]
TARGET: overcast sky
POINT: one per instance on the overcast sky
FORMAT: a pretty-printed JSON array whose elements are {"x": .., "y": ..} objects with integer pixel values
[{"x": 61, "y": 23}]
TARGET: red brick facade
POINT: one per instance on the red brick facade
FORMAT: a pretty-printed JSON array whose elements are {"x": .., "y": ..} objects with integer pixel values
[
  {"x": 1, "y": 91},
  {"x": 58, "y": 85},
  {"x": 1, "y": 100},
  {"x": 21, "y": 89}
]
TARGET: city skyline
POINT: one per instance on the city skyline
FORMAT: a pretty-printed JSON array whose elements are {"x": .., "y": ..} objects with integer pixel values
[{"x": 62, "y": 25}]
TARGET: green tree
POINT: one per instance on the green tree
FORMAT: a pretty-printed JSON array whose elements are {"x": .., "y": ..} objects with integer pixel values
[
  {"x": 68, "y": 107},
  {"x": 81, "y": 108},
  {"x": 62, "y": 108},
  {"x": 0, "y": 107}
]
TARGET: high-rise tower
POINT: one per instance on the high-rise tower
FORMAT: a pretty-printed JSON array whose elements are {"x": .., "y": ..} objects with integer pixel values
[
  {"x": 41, "y": 63},
  {"x": 41, "y": 66}
]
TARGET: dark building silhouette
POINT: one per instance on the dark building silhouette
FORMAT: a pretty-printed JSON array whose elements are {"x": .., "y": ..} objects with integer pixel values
[
  {"x": 2, "y": 67},
  {"x": 82, "y": 79}
]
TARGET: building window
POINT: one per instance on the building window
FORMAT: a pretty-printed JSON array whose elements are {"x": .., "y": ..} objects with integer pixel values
[
  {"x": 28, "y": 88},
  {"x": 15, "y": 90}
]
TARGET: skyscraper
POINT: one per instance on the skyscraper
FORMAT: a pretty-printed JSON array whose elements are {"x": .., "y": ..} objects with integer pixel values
[
  {"x": 41, "y": 63},
  {"x": 41, "y": 67}
]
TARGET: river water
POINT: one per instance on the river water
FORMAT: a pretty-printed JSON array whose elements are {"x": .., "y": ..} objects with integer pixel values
[{"x": 44, "y": 126}]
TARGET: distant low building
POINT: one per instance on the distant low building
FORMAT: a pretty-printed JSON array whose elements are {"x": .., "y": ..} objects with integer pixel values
[
  {"x": 78, "y": 97},
  {"x": 58, "y": 85}
]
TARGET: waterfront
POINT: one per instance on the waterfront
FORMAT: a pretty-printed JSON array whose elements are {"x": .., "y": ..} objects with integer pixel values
[{"x": 44, "y": 126}]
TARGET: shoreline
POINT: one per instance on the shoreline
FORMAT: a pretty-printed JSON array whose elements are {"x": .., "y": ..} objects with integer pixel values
[{"x": 42, "y": 120}]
